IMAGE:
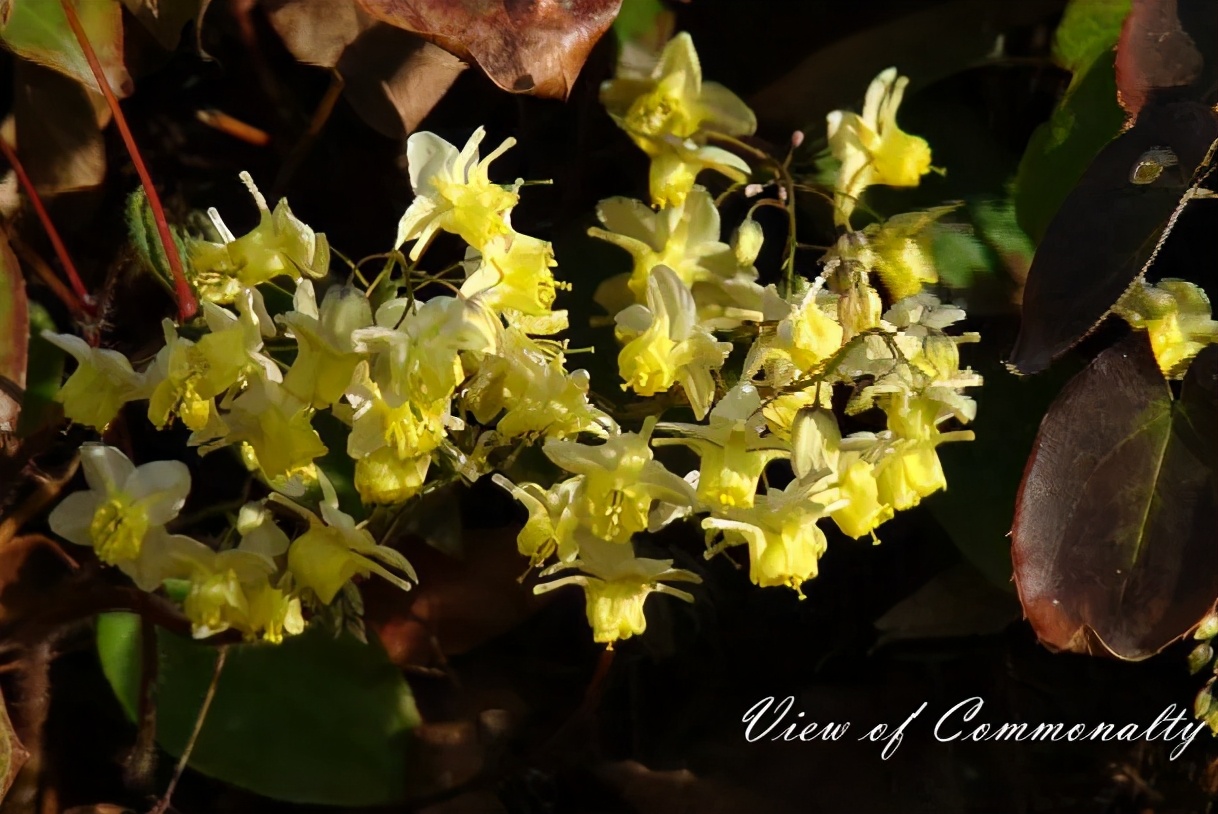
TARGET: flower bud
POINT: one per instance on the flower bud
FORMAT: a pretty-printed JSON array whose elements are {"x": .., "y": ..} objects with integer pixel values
[{"x": 746, "y": 243}]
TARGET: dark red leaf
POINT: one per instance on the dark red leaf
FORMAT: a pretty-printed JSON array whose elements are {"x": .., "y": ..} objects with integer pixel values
[
  {"x": 525, "y": 46},
  {"x": 1113, "y": 544},
  {"x": 1168, "y": 47},
  {"x": 1109, "y": 229},
  {"x": 14, "y": 341}
]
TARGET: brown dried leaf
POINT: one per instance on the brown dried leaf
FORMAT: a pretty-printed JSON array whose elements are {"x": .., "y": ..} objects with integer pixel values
[
  {"x": 1160, "y": 49},
  {"x": 525, "y": 46},
  {"x": 393, "y": 78},
  {"x": 12, "y": 754},
  {"x": 317, "y": 31},
  {"x": 58, "y": 132}
]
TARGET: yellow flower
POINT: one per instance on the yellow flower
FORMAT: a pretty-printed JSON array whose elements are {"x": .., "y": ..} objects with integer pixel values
[
  {"x": 909, "y": 473},
  {"x": 122, "y": 515},
  {"x": 732, "y": 450},
  {"x": 1177, "y": 316},
  {"x": 276, "y": 427},
  {"x": 863, "y": 512},
  {"x": 669, "y": 111},
  {"x": 552, "y": 520},
  {"x": 526, "y": 385},
  {"x": 684, "y": 237},
  {"x": 453, "y": 192},
  {"x": 335, "y": 549},
  {"x": 616, "y": 584},
  {"x": 281, "y": 245},
  {"x": 785, "y": 543},
  {"x": 621, "y": 479},
  {"x": 327, "y": 356},
  {"x": 513, "y": 272},
  {"x": 231, "y": 589},
  {"x": 101, "y": 384},
  {"x": 667, "y": 345},
  {"x": 872, "y": 149}
]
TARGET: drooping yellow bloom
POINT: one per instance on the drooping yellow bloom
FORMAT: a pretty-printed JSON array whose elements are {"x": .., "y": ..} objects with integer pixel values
[
  {"x": 780, "y": 528},
  {"x": 281, "y": 245},
  {"x": 122, "y": 515},
  {"x": 621, "y": 481},
  {"x": 1177, "y": 316},
  {"x": 336, "y": 548},
  {"x": 527, "y": 386},
  {"x": 616, "y": 584},
  {"x": 667, "y": 345},
  {"x": 552, "y": 522},
  {"x": 101, "y": 384},
  {"x": 684, "y": 237},
  {"x": 872, "y": 149},
  {"x": 275, "y": 428},
  {"x": 863, "y": 512},
  {"x": 514, "y": 272},
  {"x": 732, "y": 449},
  {"x": 669, "y": 112},
  {"x": 324, "y": 337},
  {"x": 453, "y": 192}
]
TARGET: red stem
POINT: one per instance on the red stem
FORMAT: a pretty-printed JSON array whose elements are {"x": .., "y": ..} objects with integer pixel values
[
  {"x": 187, "y": 305},
  {"x": 82, "y": 303}
]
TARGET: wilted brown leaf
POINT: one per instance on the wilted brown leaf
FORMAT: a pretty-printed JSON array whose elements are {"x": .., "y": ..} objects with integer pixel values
[
  {"x": 525, "y": 46},
  {"x": 393, "y": 79},
  {"x": 317, "y": 31},
  {"x": 12, "y": 754},
  {"x": 58, "y": 133}
]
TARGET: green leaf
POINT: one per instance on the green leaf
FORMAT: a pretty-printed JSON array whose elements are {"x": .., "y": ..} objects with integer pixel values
[
  {"x": 14, "y": 338},
  {"x": 315, "y": 720},
  {"x": 1088, "y": 30},
  {"x": 636, "y": 18},
  {"x": 43, "y": 377},
  {"x": 38, "y": 30},
  {"x": 1061, "y": 149}
]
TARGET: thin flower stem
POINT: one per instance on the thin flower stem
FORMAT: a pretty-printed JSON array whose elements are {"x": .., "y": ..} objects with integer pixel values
[
  {"x": 788, "y": 186},
  {"x": 187, "y": 305},
  {"x": 82, "y": 302},
  {"x": 162, "y": 806}
]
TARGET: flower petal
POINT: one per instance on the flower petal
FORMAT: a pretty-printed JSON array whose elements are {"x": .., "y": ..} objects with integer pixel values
[
  {"x": 106, "y": 468},
  {"x": 162, "y": 487},
  {"x": 73, "y": 516}
]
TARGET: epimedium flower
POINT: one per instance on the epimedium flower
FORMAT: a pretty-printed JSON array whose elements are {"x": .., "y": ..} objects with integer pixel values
[
  {"x": 190, "y": 375},
  {"x": 732, "y": 449},
  {"x": 453, "y": 192},
  {"x": 122, "y": 515},
  {"x": 666, "y": 345},
  {"x": 621, "y": 480},
  {"x": 683, "y": 237},
  {"x": 336, "y": 549},
  {"x": 527, "y": 386},
  {"x": 513, "y": 272},
  {"x": 552, "y": 524},
  {"x": 275, "y": 431},
  {"x": 1176, "y": 314},
  {"x": 781, "y": 530},
  {"x": 101, "y": 384},
  {"x": 616, "y": 584},
  {"x": 279, "y": 246},
  {"x": 669, "y": 112},
  {"x": 232, "y": 589},
  {"x": 871, "y": 147},
  {"x": 326, "y": 357}
]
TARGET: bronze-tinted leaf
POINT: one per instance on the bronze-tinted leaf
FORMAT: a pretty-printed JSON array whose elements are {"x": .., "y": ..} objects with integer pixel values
[
  {"x": 1113, "y": 544},
  {"x": 14, "y": 341},
  {"x": 12, "y": 754},
  {"x": 525, "y": 46},
  {"x": 1109, "y": 228},
  {"x": 1168, "y": 47},
  {"x": 58, "y": 132},
  {"x": 38, "y": 30},
  {"x": 317, "y": 31},
  {"x": 393, "y": 78}
]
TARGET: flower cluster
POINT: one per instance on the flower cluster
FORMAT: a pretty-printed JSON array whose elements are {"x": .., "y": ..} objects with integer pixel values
[{"x": 427, "y": 377}]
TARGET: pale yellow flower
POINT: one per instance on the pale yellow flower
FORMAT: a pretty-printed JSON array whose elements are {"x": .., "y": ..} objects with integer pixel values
[
  {"x": 872, "y": 149},
  {"x": 454, "y": 193},
  {"x": 326, "y": 356},
  {"x": 101, "y": 384},
  {"x": 1177, "y": 316}
]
